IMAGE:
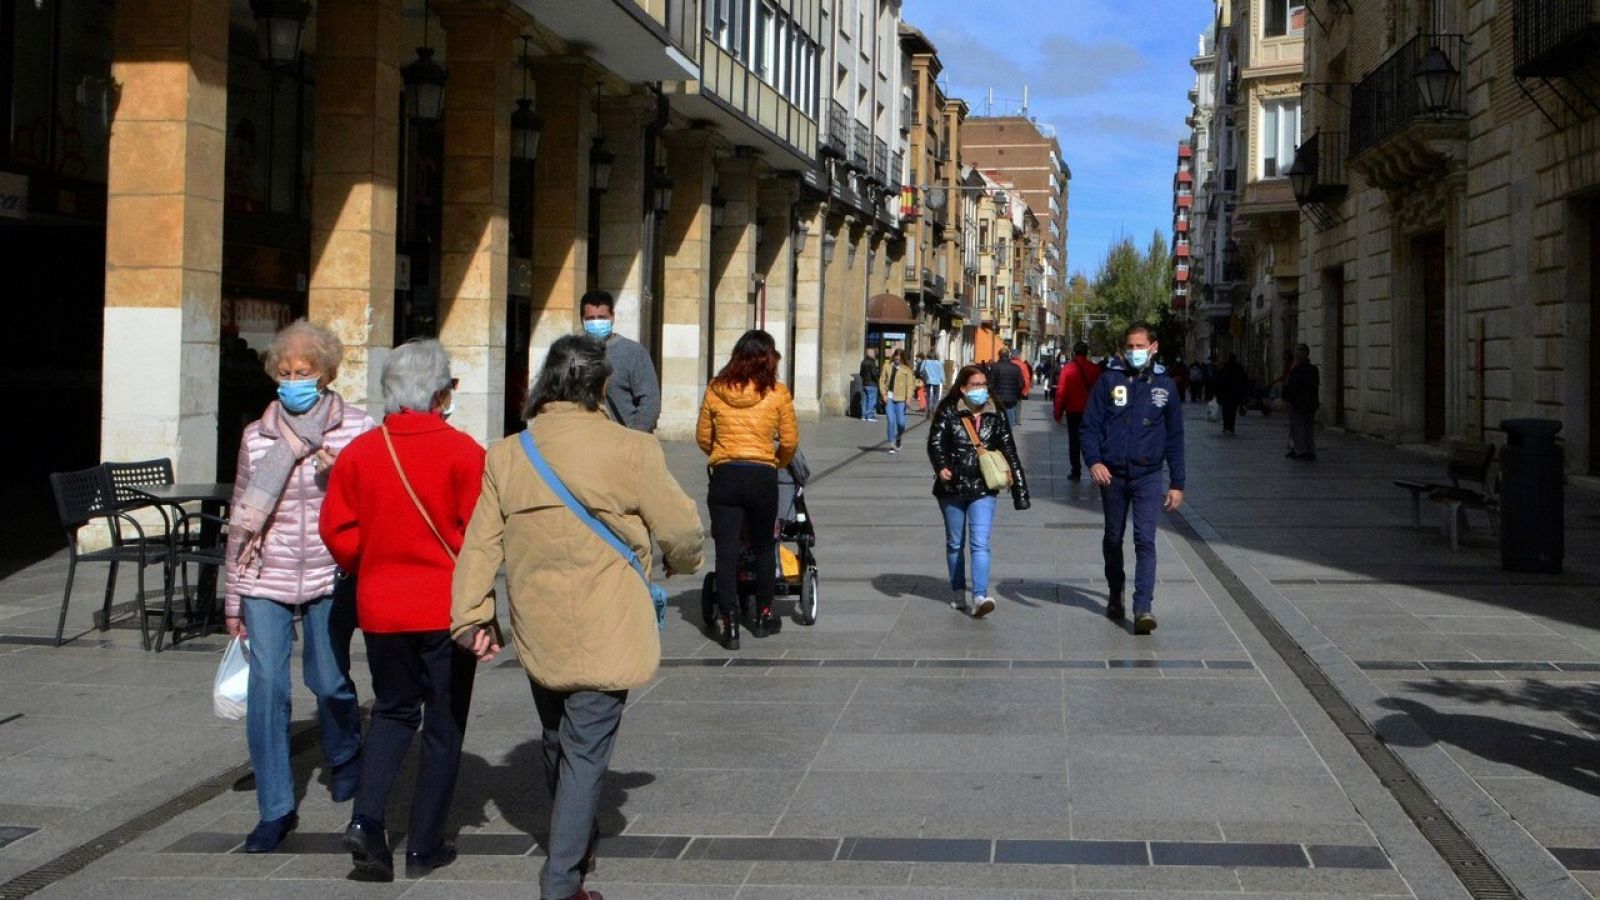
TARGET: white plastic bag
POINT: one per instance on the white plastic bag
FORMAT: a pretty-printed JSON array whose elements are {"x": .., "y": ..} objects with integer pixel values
[
  {"x": 232, "y": 684},
  {"x": 1213, "y": 411}
]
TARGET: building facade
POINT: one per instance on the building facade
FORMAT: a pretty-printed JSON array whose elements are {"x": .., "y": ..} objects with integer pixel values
[
  {"x": 1183, "y": 204},
  {"x": 1206, "y": 317}
]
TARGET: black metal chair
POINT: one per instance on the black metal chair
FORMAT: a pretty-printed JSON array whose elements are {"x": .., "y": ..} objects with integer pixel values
[
  {"x": 84, "y": 496},
  {"x": 126, "y": 476},
  {"x": 206, "y": 548}
]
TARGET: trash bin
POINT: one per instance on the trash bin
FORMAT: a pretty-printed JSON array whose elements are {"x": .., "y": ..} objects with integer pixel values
[{"x": 1532, "y": 514}]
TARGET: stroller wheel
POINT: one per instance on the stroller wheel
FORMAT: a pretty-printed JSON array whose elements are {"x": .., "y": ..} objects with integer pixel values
[
  {"x": 708, "y": 599},
  {"x": 806, "y": 609}
]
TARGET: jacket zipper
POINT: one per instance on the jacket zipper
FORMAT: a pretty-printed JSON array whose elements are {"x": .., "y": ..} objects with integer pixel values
[{"x": 300, "y": 570}]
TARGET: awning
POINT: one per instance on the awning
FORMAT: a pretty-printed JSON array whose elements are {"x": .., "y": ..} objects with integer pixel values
[{"x": 889, "y": 309}]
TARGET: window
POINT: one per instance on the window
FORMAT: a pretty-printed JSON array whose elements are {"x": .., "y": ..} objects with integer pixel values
[
  {"x": 765, "y": 43},
  {"x": 1284, "y": 17},
  {"x": 1280, "y": 136}
]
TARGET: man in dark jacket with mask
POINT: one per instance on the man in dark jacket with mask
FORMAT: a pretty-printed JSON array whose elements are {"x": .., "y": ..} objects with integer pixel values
[
  {"x": 1005, "y": 386},
  {"x": 1132, "y": 428}
]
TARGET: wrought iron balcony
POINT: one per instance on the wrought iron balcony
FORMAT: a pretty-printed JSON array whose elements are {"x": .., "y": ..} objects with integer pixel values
[
  {"x": 1553, "y": 36},
  {"x": 836, "y": 137},
  {"x": 880, "y": 161},
  {"x": 860, "y": 147},
  {"x": 897, "y": 168},
  {"x": 1318, "y": 173},
  {"x": 1391, "y": 98}
]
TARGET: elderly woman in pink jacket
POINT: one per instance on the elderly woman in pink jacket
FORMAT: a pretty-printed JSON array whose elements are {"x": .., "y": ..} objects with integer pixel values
[{"x": 278, "y": 571}]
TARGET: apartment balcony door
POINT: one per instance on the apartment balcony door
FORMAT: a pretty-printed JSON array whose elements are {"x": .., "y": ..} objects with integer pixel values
[{"x": 1430, "y": 256}]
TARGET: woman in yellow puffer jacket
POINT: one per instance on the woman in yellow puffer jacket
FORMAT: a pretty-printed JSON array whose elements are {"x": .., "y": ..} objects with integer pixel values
[{"x": 745, "y": 413}]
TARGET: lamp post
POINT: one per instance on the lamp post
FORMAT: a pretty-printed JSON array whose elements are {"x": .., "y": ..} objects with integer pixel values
[
  {"x": 1436, "y": 79},
  {"x": 424, "y": 80},
  {"x": 526, "y": 125},
  {"x": 600, "y": 162},
  {"x": 279, "y": 24},
  {"x": 662, "y": 186},
  {"x": 1301, "y": 179}
]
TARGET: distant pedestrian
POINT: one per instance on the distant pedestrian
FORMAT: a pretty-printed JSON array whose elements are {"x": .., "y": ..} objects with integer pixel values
[
  {"x": 582, "y": 618},
  {"x": 1197, "y": 382},
  {"x": 1301, "y": 392},
  {"x": 1077, "y": 380},
  {"x": 1005, "y": 386},
  {"x": 870, "y": 370},
  {"x": 1180, "y": 377},
  {"x": 1228, "y": 387},
  {"x": 397, "y": 509},
  {"x": 897, "y": 384},
  {"x": 278, "y": 571},
  {"x": 747, "y": 429},
  {"x": 1134, "y": 426},
  {"x": 965, "y": 498},
  {"x": 933, "y": 378},
  {"x": 1208, "y": 377},
  {"x": 634, "y": 393},
  {"x": 922, "y": 384},
  {"x": 1027, "y": 375}
]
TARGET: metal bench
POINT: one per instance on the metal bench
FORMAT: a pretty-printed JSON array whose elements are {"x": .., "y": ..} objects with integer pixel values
[{"x": 1469, "y": 464}]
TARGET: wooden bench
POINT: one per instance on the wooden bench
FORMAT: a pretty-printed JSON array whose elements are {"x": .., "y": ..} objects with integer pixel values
[
  {"x": 1458, "y": 500},
  {"x": 1469, "y": 464}
]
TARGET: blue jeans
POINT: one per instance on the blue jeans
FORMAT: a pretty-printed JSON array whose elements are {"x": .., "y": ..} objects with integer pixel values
[
  {"x": 325, "y": 647},
  {"x": 897, "y": 419},
  {"x": 934, "y": 390},
  {"x": 1012, "y": 412},
  {"x": 967, "y": 523},
  {"x": 1144, "y": 496},
  {"x": 869, "y": 403}
]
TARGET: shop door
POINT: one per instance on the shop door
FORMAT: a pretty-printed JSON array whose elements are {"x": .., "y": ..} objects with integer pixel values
[
  {"x": 1594, "y": 337},
  {"x": 1430, "y": 253}
]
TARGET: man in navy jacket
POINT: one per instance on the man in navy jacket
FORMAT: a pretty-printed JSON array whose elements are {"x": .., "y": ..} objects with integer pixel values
[{"x": 1131, "y": 429}]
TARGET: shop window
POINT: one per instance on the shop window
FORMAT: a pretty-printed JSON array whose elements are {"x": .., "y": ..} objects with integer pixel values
[{"x": 60, "y": 68}]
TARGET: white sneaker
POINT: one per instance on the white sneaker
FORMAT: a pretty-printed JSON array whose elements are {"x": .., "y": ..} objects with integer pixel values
[
  {"x": 959, "y": 604},
  {"x": 984, "y": 607}
]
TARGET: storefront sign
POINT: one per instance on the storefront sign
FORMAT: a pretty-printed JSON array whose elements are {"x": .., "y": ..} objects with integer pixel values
[{"x": 13, "y": 195}]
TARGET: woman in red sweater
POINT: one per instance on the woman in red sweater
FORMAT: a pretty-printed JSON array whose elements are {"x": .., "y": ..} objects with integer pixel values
[{"x": 396, "y": 511}]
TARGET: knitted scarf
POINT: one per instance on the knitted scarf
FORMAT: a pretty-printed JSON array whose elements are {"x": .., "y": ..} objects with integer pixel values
[{"x": 297, "y": 437}]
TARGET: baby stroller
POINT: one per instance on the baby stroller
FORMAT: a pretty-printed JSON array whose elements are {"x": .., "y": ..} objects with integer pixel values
[{"x": 797, "y": 568}]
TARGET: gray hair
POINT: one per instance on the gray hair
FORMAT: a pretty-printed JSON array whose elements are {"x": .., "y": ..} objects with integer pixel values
[
  {"x": 414, "y": 374},
  {"x": 575, "y": 371},
  {"x": 306, "y": 339}
]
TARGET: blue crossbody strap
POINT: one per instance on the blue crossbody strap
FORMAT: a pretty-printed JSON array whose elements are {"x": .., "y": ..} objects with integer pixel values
[{"x": 578, "y": 509}]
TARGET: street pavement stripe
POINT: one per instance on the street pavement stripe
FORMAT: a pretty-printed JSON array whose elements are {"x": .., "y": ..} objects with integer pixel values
[
  {"x": 10, "y": 834},
  {"x": 1474, "y": 665},
  {"x": 758, "y": 662},
  {"x": 1578, "y": 859}
]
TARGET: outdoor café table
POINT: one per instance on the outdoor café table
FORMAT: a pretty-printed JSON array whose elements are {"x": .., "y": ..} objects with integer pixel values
[{"x": 213, "y": 499}]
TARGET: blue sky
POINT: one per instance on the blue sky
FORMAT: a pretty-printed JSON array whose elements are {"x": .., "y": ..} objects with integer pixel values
[{"x": 1114, "y": 81}]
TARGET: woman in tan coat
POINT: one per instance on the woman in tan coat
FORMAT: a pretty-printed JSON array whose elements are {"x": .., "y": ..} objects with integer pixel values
[
  {"x": 898, "y": 383},
  {"x": 581, "y": 615},
  {"x": 747, "y": 428}
]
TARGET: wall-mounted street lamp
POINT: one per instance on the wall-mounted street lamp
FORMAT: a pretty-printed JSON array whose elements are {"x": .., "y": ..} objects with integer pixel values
[
  {"x": 600, "y": 162},
  {"x": 1301, "y": 179},
  {"x": 830, "y": 244},
  {"x": 279, "y": 24},
  {"x": 662, "y": 187},
  {"x": 526, "y": 125},
  {"x": 1436, "y": 79},
  {"x": 424, "y": 80},
  {"x": 850, "y": 254},
  {"x": 799, "y": 236},
  {"x": 719, "y": 208}
]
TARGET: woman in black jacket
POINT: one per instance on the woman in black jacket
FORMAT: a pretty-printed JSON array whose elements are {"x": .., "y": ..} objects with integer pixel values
[{"x": 966, "y": 501}]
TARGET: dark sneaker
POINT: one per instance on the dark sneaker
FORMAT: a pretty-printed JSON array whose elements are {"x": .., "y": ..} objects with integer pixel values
[
  {"x": 1144, "y": 623},
  {"x": 419, "y": 863},
  {"x": 1115, "y": 611},
  {"x": 269, "y": 833}
]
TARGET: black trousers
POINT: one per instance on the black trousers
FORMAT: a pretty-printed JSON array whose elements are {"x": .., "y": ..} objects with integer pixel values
[
  {"x": 744, "y": 500},
  {"x": 1075, "y": 440},
  {"x": 1230, "y": 413},
  {"x": 419, "y": 677}
]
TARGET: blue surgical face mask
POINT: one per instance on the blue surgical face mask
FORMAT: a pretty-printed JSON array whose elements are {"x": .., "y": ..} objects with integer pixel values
[
  {"x": 1139, "y": 358},
  {"x": 978, "y": 396},
  {"x": 600, "y": 329},
  {"x": 298, "y": 395}
]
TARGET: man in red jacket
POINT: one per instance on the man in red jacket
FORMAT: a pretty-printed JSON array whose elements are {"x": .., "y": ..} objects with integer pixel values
[{"x": 1077, "y": 378}]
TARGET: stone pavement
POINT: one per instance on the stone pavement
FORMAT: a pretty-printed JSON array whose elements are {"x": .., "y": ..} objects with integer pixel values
[{"x": 899, "y": 749}]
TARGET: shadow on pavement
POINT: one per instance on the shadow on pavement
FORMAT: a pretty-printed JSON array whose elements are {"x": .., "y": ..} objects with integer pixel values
[
  {"x": 1562, "y": 757},
  {"x": 516, "y": 789},
  {"x": 925, "y": 587}
]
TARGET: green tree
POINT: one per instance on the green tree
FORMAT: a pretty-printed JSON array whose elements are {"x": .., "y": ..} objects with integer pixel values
[{"x": 1130, "y": 287}]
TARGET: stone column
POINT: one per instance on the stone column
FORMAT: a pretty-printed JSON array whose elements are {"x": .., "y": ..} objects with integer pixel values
[
  {"x": 474, "y": 253},
  {"x": 808, "y": 318},
  {"x": 686, "y": 308},
  {"x": 853, "y": 342},
  {"x": 164, "y": 235},
  {"x": 560, "y": 202},
  {"x": 775, "y": 260},
  {"x": 624, "y": 267},
  {"x": 733, "y": 258},
  {"x": 837, "y": 365},
  {"x": 356, "y": 155}
]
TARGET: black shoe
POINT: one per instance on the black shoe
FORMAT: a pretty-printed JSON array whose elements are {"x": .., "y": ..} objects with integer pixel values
[
  {"x": 369, "y": 850},
  {"x": 1291, "y": 455},
  {"x": 1075, "y": 475},
  {"x": 345, "y": 778},
  {"x": 730, "y": 633},
  {"x": 1144, "y": 623},
  {"x": 420, "y": 863},
  {"x": 269, "y": 833},
  {"x": 765, "y": 623},
  {"x": 1115, "y": 611}
]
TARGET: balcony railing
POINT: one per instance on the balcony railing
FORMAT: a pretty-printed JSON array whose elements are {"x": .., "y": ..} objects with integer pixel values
[
  {"x": 683, "y": 25},
  {"x": 860, "y": 146},
  {"x": 1322, "y": 156},
  {"x": 836, "y": 137},
  {"x": 1553, "y": 36},
  {"x": 880, "y": 161},
  {"x": 897, "y": 169},
  {"x": 1390, "y": 99}
]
